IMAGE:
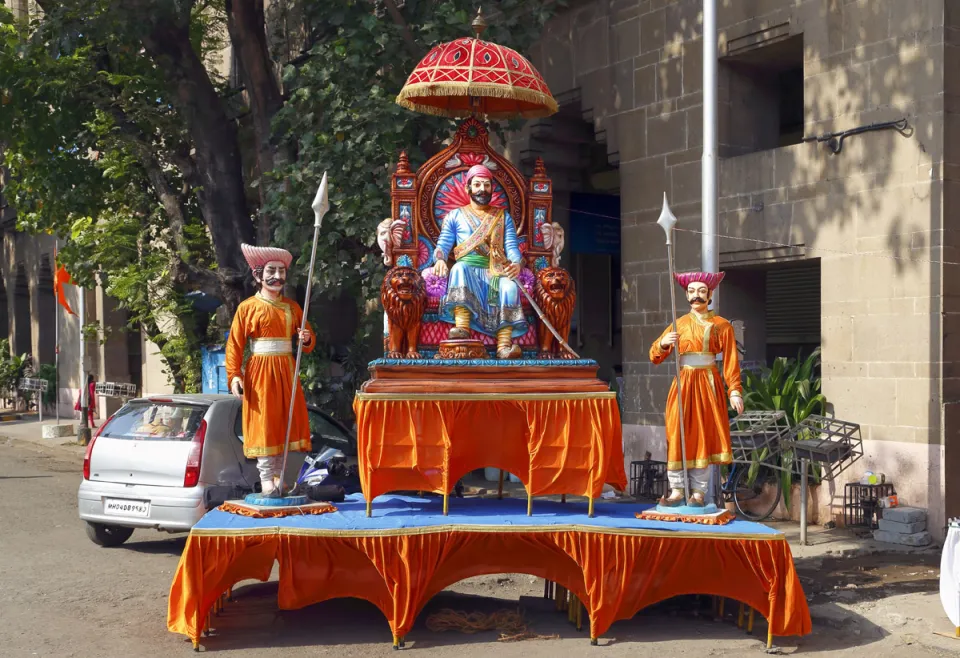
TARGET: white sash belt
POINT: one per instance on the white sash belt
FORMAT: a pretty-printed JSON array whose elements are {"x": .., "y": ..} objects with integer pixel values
[
  {"x": 698, "y": 360},
  {"x": 271, "y": 346}
]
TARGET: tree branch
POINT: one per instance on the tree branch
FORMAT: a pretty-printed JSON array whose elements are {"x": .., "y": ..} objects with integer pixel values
[
  {"x": 131, "y": 134},
  {"x": 403, "y": 25}
]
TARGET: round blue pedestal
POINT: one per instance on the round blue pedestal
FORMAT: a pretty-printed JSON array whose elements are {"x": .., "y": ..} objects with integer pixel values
[{"x": 283, "y": 501}]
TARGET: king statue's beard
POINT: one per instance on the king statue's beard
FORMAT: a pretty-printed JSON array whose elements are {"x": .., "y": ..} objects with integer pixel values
[{"x": 482, "y": 198}]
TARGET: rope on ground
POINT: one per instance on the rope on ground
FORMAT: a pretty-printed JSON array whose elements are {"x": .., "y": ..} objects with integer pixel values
[{"x": 510, "y": 623}]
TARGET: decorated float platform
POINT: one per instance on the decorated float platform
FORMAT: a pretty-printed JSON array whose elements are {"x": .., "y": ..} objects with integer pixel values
[
  {"x": 423, "y": 423},
  {"x": 613, "y": 563}
]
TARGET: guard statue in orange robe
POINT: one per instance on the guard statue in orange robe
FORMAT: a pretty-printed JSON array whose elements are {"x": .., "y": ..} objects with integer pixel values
[
  {"x": 701, "y": 336},
  {"x": 268, "y": 322}
]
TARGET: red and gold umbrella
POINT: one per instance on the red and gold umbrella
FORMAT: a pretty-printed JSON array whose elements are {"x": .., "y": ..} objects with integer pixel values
[{"x": 469, "y": 77}]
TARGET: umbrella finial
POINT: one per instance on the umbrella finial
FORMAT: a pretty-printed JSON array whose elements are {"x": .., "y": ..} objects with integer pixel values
[{"x": 479, "y": 24}]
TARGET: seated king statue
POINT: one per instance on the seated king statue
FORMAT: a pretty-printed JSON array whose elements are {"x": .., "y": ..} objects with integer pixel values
[{"x": 482, "y": 292}]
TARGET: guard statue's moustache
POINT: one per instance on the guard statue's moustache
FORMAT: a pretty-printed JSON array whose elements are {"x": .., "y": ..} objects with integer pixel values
[
  {"x": 275, "y": 282},
  {"x": 697, "y": 300}
]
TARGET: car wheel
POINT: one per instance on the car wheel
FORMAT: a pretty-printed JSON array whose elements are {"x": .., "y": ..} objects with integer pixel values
[{"x": 107, "y": 535}]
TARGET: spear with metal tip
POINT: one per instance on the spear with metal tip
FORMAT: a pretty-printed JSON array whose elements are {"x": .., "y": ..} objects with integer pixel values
[
  {"x": 667, "y": 222},
  {"x": 321, "y": 204}
]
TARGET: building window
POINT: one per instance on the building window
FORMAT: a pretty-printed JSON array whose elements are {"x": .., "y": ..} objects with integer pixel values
[
  {"x": 778, "y": 305},
  {"x": 761, "y": 97}
]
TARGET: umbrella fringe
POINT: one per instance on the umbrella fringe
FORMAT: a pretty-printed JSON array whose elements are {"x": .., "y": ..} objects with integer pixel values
[{"x": 408, "y": 94}]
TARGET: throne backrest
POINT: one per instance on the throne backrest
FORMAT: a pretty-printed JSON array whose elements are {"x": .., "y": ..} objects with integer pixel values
[{"x": 421, "y": 199}]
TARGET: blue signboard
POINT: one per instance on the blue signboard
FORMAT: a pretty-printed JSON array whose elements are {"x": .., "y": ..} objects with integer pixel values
[
  {"x": 594, "y": 224},
  {"x": 214, "y": 365}
]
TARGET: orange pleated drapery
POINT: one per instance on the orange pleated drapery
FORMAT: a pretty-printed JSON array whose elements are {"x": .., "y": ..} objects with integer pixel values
[
  {"x": 614, "y": 574},
  {"x": 556, "y": 444}
]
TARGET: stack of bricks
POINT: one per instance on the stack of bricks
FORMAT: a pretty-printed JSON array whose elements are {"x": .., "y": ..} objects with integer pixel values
[{"x": 903, "y": 525}]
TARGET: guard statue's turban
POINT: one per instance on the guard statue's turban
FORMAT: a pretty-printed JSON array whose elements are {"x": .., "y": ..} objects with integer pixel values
[
  {"x": 710, "y": 279},
  {"x": 260, "y": 256},
  {"x": 479, "y": 170}
]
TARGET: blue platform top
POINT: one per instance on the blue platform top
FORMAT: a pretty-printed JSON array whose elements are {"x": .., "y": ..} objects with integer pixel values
[
  {"x": 397, "y": 514},
  {"x": 502, "y": 363}
]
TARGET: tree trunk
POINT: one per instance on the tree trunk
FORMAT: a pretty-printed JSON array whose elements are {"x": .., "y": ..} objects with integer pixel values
[
  {"x": 247, "y": 27},
  {"x": 222, "y": 198}
]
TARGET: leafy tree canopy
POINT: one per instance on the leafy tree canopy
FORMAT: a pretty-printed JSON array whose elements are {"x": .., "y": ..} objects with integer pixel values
[{"x": 153, "y": 137}]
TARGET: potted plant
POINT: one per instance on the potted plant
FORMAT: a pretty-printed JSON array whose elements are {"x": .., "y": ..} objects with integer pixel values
[{"x": 791, "y": 386}]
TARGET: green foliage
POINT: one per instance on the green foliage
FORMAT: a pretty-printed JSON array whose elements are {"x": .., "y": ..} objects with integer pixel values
[
  {"x": 48, "y": 371},
  {"x": 791, "y": 386},
  {"x": 11, "y": 368}
]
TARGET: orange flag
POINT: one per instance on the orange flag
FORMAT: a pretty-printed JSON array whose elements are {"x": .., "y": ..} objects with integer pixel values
[{"x": 60, "y": 279}]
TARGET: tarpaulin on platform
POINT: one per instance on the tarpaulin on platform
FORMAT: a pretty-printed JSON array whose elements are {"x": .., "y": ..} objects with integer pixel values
[
  {"x": 614, "y": 563},
  {"x": 559, "y": 444}
]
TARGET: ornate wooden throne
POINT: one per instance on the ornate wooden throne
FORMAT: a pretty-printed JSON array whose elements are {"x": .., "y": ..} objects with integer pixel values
[{"x": 421, "y": 199}]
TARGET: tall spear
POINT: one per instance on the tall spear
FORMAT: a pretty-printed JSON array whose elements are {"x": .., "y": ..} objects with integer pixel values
[
  {"x": 667, "y": 222},
  {"x": 321, "y": 204}
]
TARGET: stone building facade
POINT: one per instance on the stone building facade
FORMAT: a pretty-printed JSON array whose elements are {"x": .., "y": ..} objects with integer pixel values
[
  {"x": 29, "y": 315},
  {"x": 872, "y": 230}
]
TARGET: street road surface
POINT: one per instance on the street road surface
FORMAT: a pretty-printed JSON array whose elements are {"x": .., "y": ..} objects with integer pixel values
[{"x": 63, "y": 596}]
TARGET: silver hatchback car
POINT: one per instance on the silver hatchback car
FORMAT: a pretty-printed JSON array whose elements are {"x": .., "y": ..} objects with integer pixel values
[{"x": 163, "y": 462}]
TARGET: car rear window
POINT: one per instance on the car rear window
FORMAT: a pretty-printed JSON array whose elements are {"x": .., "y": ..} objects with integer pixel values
[{"x": 155, "y": 421}]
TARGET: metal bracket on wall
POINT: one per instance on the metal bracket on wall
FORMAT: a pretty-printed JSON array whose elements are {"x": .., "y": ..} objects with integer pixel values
[{"x": 834, "y": 141}]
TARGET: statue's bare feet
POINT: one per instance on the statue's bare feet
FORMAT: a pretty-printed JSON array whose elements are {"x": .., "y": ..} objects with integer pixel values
[
  {"x": 696, "y": 499},
  {"x": 414, "y": 355},
  {"x": 513, "y": 352},
  {"x": 458, "y": 334},
  {"x": 546, "y": 355},
  {"x": 675, "y": 499}
]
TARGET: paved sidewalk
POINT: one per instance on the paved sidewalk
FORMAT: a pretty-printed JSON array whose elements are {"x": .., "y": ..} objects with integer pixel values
[{"x": 30, "y": 431}]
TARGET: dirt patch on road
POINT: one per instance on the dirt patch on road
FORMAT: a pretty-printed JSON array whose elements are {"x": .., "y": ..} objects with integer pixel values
[{"x": 869, "y": 577}]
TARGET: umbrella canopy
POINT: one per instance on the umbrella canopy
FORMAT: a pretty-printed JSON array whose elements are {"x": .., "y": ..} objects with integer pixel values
[{"x": 468, "y": 76}]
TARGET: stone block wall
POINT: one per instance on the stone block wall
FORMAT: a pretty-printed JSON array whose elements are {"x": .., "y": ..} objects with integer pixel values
[{"x": 874, "y": 214}]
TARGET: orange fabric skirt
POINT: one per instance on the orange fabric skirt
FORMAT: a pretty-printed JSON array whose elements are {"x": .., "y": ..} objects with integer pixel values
[
  {"x": 267, "y": 382},
  {"x": 707, "y": 426},
  {"x": 564, "y": 444},
  {"x": 614, "y": 574}
]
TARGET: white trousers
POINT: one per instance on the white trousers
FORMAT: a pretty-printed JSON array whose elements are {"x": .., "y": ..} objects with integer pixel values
[
  {"x": 699, "y": 479},
  {"x": 269, "y": 468}
]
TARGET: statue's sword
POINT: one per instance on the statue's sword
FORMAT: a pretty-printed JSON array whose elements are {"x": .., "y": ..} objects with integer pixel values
[{"x": 545, "y": 321}]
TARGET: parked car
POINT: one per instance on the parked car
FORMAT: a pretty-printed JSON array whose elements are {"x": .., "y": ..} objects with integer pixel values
[{"x": 162, "y": 462}]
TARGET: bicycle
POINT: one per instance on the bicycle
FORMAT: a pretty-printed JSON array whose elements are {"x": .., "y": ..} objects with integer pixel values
[
  {"x": 753, "y": 482},
  {"x": 754, "y": 494}
]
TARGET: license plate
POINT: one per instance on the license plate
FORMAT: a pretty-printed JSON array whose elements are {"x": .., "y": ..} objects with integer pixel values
[{"x": 120, "y": 507}]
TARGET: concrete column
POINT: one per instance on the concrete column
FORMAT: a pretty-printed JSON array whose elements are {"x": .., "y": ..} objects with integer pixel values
[
  {"x": 112, "y": 350},
  {"x": 29, "y": 249}
]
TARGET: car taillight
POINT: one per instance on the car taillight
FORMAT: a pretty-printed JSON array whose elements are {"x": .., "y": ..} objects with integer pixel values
[
  {"x": 191, "y": 476},
  {"x": 86, "y": 456}
]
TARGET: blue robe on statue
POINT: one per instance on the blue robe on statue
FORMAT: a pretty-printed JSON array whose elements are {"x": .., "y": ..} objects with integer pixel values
[{"x": 469, "y": 284}]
